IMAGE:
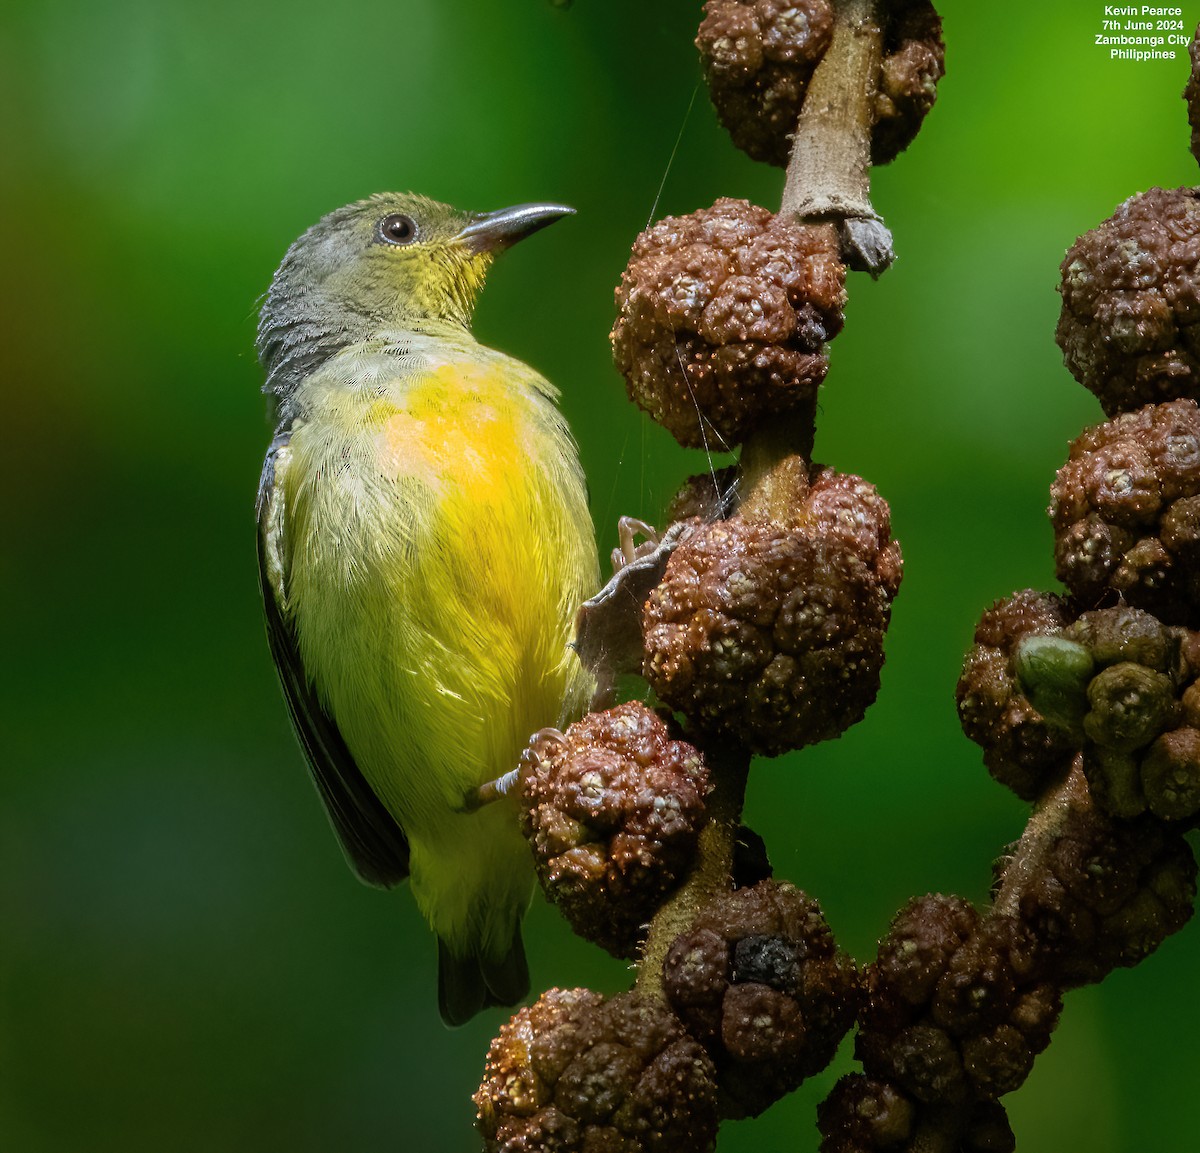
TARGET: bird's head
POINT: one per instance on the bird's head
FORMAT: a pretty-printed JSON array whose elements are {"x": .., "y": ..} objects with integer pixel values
[{"x": 392, "y": 262}]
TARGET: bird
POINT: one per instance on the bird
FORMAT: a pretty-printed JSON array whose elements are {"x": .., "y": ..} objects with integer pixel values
[{"x": 424, "y": 541}]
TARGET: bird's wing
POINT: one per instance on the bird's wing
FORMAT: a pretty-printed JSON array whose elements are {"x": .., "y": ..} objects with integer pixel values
[{"x": 373, "y": 843}]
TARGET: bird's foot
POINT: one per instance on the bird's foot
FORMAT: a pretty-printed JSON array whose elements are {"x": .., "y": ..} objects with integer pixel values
[{"x": 608, "y": 628}]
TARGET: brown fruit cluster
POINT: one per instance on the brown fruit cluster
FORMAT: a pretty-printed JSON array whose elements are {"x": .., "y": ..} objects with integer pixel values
[
  {"x": 1191, "y": 93},
  {"x": 1126, "y": 512},
  {"x": 957, "y": 1006},
  {"x": 771, "y": 634},
  {"x": 1021, "y": 749},
  {"x": 1107, "y": 894},
  {"x": 723, "y": 319},
  {"x": 914, "y": 60},
  {"x": 576, "y": 1073},
  {"x": 759, "y": 981},
  {"x": 1130, "y": 323},
  {"x": 862, "y": 1115},
  {"x": 1093, "y": 710},
  {"x": 612, "y": 812},
  {"x": 707, "y": 496},
  {"x": 759, "y": 56}
]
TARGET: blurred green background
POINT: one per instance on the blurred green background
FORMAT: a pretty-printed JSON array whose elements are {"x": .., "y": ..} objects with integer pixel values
[{"x": 185, "y": 961}]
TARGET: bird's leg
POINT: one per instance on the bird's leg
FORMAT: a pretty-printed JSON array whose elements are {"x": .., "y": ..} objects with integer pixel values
[{"x": 531, "y": 756}]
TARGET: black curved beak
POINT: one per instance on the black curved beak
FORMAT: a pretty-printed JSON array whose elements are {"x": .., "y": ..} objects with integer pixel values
[{"x": 496, "y": 231}]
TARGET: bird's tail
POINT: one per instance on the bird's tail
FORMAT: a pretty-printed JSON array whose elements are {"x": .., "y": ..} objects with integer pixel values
[{"x": 467, "y": 984}]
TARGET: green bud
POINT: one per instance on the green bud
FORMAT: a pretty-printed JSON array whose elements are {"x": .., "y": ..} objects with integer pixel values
[
  {"x": 1054, "y": 673},
  {"x": 1130, "y": 706},
  {"x": 1126, "y": 634}
]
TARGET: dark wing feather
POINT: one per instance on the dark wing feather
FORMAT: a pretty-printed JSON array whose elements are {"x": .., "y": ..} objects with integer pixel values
[
  {"x": 372, "y": 841},
  {"x": 467, "y": 985}
]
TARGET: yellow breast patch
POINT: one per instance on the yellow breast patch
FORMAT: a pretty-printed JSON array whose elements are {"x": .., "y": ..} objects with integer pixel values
[{"x": 459, "y": 427}]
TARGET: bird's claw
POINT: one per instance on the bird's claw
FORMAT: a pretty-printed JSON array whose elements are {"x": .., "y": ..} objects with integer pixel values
[
  {"x": 629, "y": 528},
  {"x": 534, "y": 753}
]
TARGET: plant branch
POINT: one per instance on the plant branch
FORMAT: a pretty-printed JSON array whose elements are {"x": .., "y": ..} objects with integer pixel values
[
  {"x": 712, "y": 872},
  {"x": 1040, "y": 835},
  {"x": 770, "y": 458},
  {"x": 828, "y": 182},
  {"x": 829, "y": 168}
]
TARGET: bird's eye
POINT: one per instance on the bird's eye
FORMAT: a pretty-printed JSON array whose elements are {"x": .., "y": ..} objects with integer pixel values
[{"x": 398, "y": 229}]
